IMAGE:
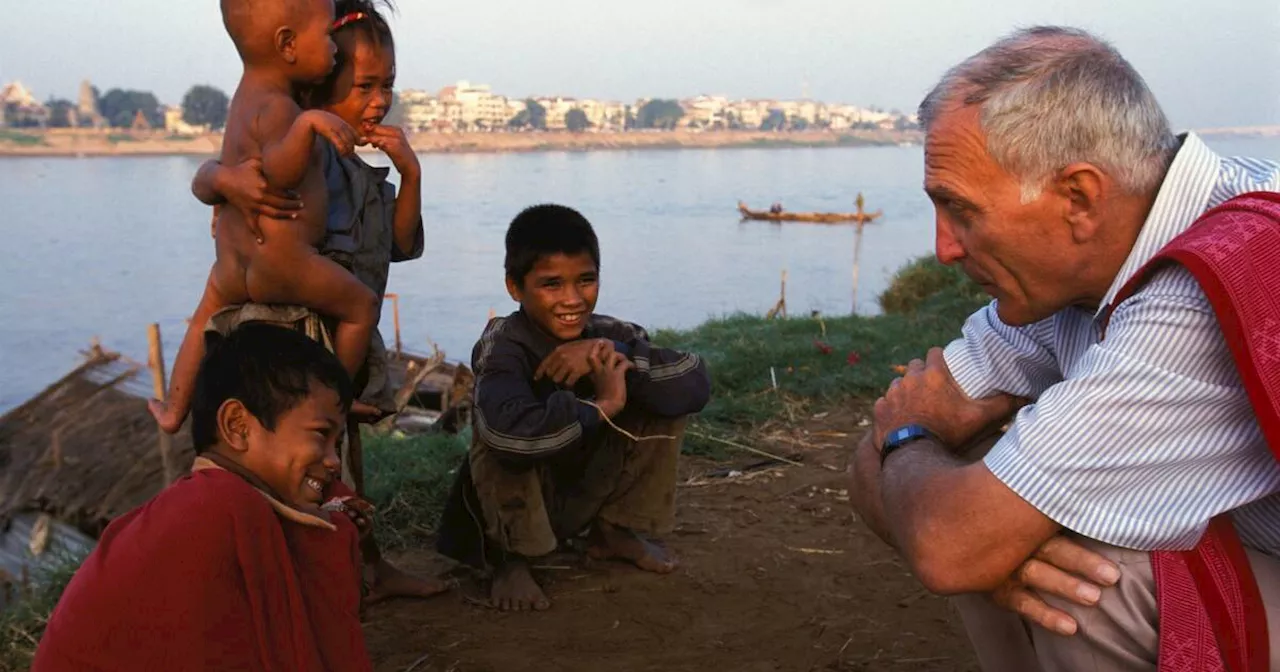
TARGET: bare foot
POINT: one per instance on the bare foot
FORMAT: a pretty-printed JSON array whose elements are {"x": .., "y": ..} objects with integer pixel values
[
  {"x": 390, "y": 581},
  {"x": 612, "y": 542},
  {"x": 165, "y": 416},
  {"x": 515, "y": 590}
]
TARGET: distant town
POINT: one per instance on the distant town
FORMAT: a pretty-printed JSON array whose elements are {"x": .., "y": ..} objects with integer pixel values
[{"x": 463, "y": 107}]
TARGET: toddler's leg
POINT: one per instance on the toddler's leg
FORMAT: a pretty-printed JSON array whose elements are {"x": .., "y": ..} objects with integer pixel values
[{"x": 172, "y": 412}]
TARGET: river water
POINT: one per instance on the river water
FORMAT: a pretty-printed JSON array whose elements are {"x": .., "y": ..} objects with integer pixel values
[{"x": 104, "y": 246}]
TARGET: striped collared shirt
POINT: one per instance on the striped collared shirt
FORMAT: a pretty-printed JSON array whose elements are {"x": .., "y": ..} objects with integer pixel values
[{"x": 1139, "y": 439}]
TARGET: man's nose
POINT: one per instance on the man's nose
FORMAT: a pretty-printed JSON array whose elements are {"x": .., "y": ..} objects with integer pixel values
[{"x": 946, "y": 246}]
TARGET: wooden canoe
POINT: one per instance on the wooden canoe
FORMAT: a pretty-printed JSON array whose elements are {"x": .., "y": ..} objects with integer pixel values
[{"x": 815, "y": 217}]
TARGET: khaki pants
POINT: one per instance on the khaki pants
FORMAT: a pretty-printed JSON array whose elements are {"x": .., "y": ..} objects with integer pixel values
[
  {"x": 1121, "y": 633},
  {"x": 610, "y": 477}
]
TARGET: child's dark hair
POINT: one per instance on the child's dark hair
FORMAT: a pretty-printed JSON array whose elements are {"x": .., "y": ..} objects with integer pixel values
[
  {"x": 267, "y": 368},
  {"x": 547, "y": 229},
  {"x": 358, "y": 18}
]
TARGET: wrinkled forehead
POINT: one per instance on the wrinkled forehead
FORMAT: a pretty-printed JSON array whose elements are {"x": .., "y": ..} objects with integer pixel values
[{"x": 956, "y": 133}]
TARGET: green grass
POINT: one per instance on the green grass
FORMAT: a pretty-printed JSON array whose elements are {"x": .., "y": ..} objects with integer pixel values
[
  {"x": 925, "y": 306},
  {"x": 20, "y": 138},
  {"x": 407, "y": 479},
  {"x": 925, "y": 280},
  {"x": 114, "y": 138},
  {"x": 22, "y": 622}
]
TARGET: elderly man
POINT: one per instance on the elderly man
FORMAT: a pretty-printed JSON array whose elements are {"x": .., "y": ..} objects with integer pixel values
[{"x": 1056, "y": 178}]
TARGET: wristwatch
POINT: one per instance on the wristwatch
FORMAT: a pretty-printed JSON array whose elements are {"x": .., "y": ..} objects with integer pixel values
[{"x": 902, "y": 436}]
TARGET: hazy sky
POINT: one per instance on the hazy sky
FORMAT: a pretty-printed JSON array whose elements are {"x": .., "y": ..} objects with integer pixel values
[{"x": 1211, "y": 62}]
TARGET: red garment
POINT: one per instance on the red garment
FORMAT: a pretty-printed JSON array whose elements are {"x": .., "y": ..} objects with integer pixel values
[
  {"x": 208, "y": 576},
  {"x": 1211, "y": 613}
]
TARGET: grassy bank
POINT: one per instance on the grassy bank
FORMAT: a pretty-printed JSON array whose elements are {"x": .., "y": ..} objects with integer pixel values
[
  {"x": 66, "y": 142},
  {"x": 820, "y": 361}
]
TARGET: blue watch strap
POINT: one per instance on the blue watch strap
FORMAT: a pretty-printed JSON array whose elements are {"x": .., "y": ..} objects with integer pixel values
[{"x": 902, "y": 436}]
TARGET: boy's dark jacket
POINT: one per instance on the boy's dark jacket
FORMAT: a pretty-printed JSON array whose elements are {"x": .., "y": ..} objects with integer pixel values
[{"x": 526, "y": 420}]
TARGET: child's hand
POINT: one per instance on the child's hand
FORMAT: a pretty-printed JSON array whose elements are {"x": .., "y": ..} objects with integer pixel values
[
  {"x": 571, "y": 361},
  {"x": 609, "y": 372},
  {"x": 358, "y": 510},
  {"x": 334, "y": 129},
  {"x": 392, "y": 141},
  {"x": 245, "y": 187}
]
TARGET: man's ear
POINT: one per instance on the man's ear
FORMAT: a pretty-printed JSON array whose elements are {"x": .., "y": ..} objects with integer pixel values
[
  {"x": 1084, "y": 188},
  {"x": 514, "y": 290},
  {"x": 233, "y": 425},
  {"x": 286, "y": 43}
]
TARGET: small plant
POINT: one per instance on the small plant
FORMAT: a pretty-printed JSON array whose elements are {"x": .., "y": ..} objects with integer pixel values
[
  {"x": 23, "y": 620},
  {"x": 408, "y": 479}
]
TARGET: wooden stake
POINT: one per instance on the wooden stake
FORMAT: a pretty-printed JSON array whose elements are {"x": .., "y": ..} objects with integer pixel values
[
  {"x": 857, "y": 252},
  {"x": 782, "y": 297},
  {"x": 779, "y": 309},
  {"x": 395, "y": 317},
  {"x": 156, "y": 363}
]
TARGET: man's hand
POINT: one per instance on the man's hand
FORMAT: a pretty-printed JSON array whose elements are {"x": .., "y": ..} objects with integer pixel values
[
  {"x": 929, "y": 395},
  {"x": 1063, "y": 568},
  {"x": 245, "y": 187},
  {"x": 392, "y": 141},
  {"x": 572, "y": 361},
  {"x": 608, "y": 371}
]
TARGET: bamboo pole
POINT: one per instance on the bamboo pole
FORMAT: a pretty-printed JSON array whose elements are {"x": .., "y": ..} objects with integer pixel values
[
  {"x": 857, "y": 252},
  {"x": 159, "y": 389}
]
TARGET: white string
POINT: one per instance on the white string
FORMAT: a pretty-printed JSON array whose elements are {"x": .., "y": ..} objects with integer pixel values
[{"x": 629, "y": 435}]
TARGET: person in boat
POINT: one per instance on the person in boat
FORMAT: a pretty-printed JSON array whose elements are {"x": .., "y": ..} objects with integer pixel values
[
  {"x": 776, "y": 208},
  {"x": 577, "y": 419},
  {"x": 250, "y": 561},
  {"x": 370, "y": 226},
  {"x": 1137, "y": 431}
]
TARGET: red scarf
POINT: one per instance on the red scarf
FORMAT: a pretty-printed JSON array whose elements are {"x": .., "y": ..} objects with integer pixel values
[{"x": 1211, "y": 613}]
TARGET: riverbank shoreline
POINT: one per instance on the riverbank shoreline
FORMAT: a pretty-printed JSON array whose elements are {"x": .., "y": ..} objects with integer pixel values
[{"x": 19, "y": 143}]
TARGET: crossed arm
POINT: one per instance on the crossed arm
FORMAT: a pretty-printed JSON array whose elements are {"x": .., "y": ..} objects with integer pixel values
[
  {"x": 1034, "y": 563},
  {"x": 1080, "y": 455}
]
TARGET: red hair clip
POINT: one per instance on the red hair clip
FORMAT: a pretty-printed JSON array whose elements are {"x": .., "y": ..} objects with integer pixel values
[{"x": 353, "y": 16}]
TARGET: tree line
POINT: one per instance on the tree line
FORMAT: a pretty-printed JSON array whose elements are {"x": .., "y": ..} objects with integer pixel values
[{"x": 203, "y": 105}]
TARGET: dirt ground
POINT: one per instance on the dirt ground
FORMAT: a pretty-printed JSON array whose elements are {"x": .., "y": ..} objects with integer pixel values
[{"x": 777, "y": 575}]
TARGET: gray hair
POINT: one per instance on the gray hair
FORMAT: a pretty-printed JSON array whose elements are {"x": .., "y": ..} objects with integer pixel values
[{"x": 1052, "y": 96}]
